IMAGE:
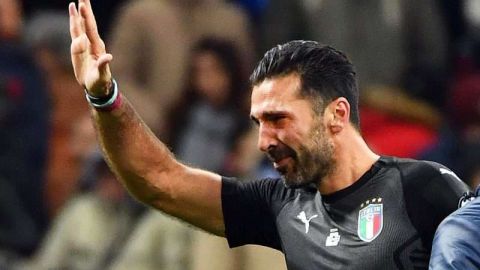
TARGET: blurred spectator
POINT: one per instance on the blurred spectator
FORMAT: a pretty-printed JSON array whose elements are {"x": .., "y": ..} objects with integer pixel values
[
  {"x": 48, "y": 35},
  {"x": 161, "y": 242},
  {"x": 464, "y": 109},
  {"x": 393, "y": 123},
  {"x": 152, "y": 40},
  {"x": 208, "y": 120},
  {"x": 465, "y": 97},
  {"x": 394, "y": 35},
  {"x": 92, "y": 227},
  {"x": 212, "y": 112},
  {"x": 105, "y": 10},
  {"x": 455, "y": 21},
  {"x": 254, "y": 8},
  {"x": 158, "y": 242},
  {"x": 291, "y": 25},
  {"x": 23, "y": 140},
  {"x": 459, "y": 146}
]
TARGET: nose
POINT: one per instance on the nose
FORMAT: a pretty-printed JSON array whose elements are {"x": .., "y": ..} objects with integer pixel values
[{"x": 266, "y": 138}]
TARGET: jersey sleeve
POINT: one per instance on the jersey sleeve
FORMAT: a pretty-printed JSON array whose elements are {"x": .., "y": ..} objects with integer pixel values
[
  {"x": 249, "y": 211},
  {"x": 431, "y": 192},
  {"x": 455, "y": 245}
]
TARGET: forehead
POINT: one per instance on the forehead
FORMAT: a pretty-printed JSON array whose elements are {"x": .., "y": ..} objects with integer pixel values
[{"x": 276, "y": 94}]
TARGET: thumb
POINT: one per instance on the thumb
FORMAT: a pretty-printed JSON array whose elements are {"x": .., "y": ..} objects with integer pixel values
[
  {"x": 100, "y": 77},
  {"x": 103, "y": 62}
]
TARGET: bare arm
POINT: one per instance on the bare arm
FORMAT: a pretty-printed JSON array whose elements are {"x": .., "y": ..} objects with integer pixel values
[{"x": 143, "y": 163}]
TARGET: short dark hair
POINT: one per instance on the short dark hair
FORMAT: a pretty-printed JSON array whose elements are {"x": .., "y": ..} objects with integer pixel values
[
  {"x": 324, "y": 72},
  {"x": 227, "y": 54}
]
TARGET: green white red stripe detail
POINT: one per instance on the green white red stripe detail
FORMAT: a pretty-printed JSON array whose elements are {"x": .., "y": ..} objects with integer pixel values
[{"x": 370, "y": 222}]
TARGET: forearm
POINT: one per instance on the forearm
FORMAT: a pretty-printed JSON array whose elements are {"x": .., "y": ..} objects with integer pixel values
[
  {"x": 143, "y": 163},
  {"x": 149, "y": 171},
  {"x": 133, "y": 151}
]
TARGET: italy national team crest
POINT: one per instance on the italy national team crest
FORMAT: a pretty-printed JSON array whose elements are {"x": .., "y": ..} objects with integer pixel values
[{"x": 370, "y": 219}]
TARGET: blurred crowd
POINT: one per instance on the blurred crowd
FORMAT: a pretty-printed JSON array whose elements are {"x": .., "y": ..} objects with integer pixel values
[{"x": 184, "y": 64}]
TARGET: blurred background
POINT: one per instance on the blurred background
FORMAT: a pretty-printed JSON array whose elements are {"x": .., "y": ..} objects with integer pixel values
[{"x": 184, "y": 64}]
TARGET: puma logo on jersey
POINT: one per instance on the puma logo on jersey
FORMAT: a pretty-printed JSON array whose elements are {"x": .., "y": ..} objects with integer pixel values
[{"x": 303, "y": 217}]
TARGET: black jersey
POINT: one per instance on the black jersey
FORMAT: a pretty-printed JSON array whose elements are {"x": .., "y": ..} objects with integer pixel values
[{"x": 385, "y": 220}]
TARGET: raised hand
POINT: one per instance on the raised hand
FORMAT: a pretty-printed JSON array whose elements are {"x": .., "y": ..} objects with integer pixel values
[{"x": 89, "y": 58}]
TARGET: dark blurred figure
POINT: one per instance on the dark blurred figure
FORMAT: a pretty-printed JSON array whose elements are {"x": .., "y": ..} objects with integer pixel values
[
  {"x": 207, "y": 121},
  {"x": 459, "y": 143},
  {"x": 105, "y": 10},
  {"x": 93, "y": 226},
  {"x": 210, "y": 115},
  {"x": 23, "y": 140},
  {"x": 152, "y": 41},
  {"x": 456, "y": 26},
  {"x": 47, "y": 35},
  {"x": 464, "y": 108}
]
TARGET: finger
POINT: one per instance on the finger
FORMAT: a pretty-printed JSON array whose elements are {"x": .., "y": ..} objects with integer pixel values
[
  {"x": 103, "y": 61},
  {"x": 75, "y": 27},
  {"x": 103, "y": 66},
  {"x": 89, "y": 9},
  {"x": 91, "y": 28},
  {"x": 87, "y": 4},
  {"x": 78, "y": 47}
]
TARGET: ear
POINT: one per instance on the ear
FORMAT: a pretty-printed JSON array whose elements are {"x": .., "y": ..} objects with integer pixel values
[{"x": 339, "y": 115}]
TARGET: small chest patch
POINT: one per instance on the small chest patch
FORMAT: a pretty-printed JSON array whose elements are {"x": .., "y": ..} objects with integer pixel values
[{"x": 370, "y": 220}]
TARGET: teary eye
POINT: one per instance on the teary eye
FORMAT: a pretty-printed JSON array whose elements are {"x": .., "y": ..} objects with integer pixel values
[{"x": 274, "y": 117}]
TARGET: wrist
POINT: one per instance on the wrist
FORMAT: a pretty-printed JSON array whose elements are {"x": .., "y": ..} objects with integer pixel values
[
  {"x": 106, "y": 103},
  {"x": 102, "y": 93}
]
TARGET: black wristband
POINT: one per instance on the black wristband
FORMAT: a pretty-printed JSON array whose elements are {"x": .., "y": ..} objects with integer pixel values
[
  {"x": 104, "y": 102},
  {"x": 101, "y": 100}
]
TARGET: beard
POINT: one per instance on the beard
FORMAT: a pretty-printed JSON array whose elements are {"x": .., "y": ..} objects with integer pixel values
[{"x": 311, "y": 162}]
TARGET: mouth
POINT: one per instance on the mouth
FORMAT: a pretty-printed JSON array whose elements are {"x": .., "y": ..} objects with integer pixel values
[
  {"x": 281, "y": 162},
  {"x": 281, "y": 156},
  {"x": 281, "y": 165}
]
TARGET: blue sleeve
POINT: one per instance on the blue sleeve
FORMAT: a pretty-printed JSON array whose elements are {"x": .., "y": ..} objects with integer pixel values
[{"x": 457, "y": 241}]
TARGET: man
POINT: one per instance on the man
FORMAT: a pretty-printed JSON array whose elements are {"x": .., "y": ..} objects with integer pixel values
[
  {"x": 340, "y": 205},
  {"x": 457, "y": 241}
]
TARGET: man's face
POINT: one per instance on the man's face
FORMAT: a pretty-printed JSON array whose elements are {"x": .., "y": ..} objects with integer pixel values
[{"x": 290, "y": 133}]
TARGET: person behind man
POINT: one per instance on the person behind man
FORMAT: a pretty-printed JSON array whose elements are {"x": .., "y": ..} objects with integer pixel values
[
  {"x": 166, "y": 50},
  {"x": 90, "y": 231},
  {"x": 456, "y": 242},
  {"x": 24, "y": 133},
  {"x": 339, "y": 205}
]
